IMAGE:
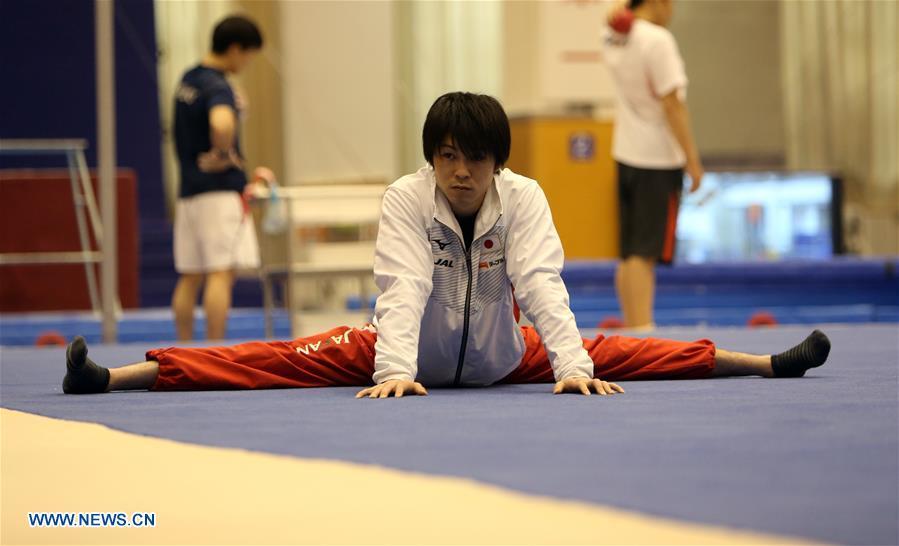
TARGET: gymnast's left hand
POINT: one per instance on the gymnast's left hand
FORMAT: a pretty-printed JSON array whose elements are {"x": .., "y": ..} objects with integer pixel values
[
  {"x": 585, "y": 386},
  {"x": 395, "y": 387}
]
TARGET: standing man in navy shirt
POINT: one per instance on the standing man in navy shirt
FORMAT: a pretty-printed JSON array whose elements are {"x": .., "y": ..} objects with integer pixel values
[{"x": 214, "y": 234}]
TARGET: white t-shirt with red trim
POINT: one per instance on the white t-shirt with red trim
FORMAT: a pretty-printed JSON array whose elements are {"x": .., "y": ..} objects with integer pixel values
[{"x": 646, "y": 66}]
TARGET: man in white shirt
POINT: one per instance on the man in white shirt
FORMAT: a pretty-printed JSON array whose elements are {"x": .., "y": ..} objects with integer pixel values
[
  {"x": 653, "y": 145},
  {"x": 456, "y": 238}
]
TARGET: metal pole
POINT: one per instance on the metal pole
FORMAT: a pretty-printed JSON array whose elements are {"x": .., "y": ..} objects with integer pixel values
[
  {"x": 78, "y": 197},
  {"x": 288, "y": 287},
  {"x": 106, "y": 161}
]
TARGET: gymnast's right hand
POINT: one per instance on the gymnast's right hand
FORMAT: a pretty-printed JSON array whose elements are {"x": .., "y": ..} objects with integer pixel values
[{"x": 395, "y": 387}]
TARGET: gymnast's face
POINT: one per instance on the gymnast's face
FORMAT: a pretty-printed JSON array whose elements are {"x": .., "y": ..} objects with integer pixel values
[{"x": 463, "y": 180}]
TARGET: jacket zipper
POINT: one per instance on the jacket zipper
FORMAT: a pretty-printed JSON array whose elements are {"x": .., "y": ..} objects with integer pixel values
[
  {"x": 467, "y": 310},
  {"x": 464, "y": 345},
  {"x": 458, "y": 378}
]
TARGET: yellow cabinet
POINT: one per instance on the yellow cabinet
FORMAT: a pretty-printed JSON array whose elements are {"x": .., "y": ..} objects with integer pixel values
[{"x": 572, "y": 160}]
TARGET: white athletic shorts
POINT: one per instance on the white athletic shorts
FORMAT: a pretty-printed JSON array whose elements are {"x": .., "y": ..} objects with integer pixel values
[{"x": 214, "y": 232}]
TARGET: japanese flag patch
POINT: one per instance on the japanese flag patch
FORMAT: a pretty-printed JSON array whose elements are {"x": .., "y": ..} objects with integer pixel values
[{"x": 490, "y": 244}]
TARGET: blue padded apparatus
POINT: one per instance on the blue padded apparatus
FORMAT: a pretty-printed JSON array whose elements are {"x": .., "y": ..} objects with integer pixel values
[{"x": 845, "y": 290}]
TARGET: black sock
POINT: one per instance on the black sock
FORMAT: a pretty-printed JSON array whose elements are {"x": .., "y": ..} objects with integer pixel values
[
  {"x": 794, "y": 362},
  {"x": 83, "y": 376}
]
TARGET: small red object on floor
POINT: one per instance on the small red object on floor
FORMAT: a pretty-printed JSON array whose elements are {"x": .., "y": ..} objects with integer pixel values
[
  {"x": 50, "y": 338},
  {"x": 761, "y": 319},
  {"x": 610, "y": 323}
]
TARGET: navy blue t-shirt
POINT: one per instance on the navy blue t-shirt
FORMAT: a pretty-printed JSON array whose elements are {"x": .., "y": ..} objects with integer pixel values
[{"x": 202, "y": 88}]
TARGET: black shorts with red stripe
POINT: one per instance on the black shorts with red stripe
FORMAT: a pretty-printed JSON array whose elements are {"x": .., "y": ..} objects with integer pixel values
[{"x": 648, "y": 201}]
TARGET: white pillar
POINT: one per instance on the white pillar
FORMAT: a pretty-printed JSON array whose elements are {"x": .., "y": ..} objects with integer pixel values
[{"x": 106, "y": 161}]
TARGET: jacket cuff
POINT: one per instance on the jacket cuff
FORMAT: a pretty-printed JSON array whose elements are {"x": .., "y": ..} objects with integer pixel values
[
  {"x": 395, "y": 376},
  {"x": 573, "y": 373},
  {"x": 575, "y": 370}
]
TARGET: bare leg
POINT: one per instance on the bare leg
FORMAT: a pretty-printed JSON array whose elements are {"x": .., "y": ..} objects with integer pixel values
[
  {"x": 794, "y": 362},
  {"x": 636, "y": 281},
  {"x": 622, "y": 288},
  {"x": 183, "y": 301},
  {"x": 217, "y": 302},
  {"x": 133, "y": 377},
  {"x": 84, "y": 376},
  {"x": 731, "y": 363}
]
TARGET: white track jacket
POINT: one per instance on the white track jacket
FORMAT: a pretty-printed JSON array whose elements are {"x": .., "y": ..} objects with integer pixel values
[{"x": 445, "y": 313}]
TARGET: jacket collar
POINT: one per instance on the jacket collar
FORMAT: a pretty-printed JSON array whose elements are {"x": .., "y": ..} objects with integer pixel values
[{"x": 488, "y": 215}]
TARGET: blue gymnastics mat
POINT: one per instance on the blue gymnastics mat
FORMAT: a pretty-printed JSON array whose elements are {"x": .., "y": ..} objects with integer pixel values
[{"x": 814, "y": 457}]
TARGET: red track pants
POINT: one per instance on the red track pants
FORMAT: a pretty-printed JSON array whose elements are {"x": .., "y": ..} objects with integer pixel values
[{"x": 345, "y": 357}]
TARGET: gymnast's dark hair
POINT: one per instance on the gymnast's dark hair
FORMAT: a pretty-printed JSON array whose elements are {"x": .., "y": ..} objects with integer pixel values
[
  {"x": 477, "y": 124},
  {"x": 236, "y": 29},
  {"x": 634, "y": 4}
]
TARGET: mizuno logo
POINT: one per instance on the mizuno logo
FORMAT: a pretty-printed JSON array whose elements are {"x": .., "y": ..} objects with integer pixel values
[{"x": 441, "y": 244}]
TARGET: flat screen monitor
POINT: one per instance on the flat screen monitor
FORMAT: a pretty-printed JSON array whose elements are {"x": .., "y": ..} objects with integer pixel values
[{"x": 760, "y": 216}]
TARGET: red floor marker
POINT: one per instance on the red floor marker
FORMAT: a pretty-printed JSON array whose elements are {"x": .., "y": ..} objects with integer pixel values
[
  {"x": 761, "y": 319},
  {"x": 610, "y": 323},
  {"x": 50, "y": 338}
]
